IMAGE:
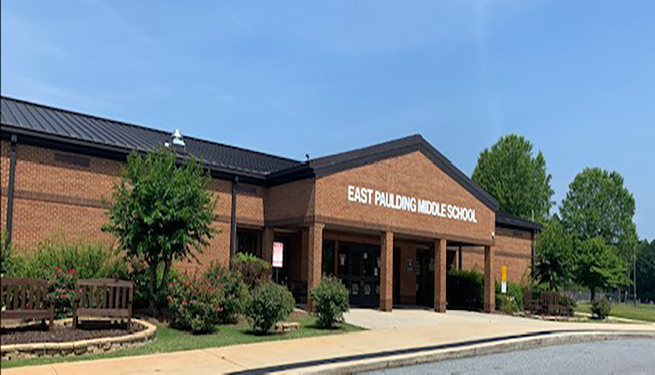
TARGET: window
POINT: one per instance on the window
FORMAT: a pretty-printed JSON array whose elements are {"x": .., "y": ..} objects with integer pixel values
[{"x": 249, "y": 241}]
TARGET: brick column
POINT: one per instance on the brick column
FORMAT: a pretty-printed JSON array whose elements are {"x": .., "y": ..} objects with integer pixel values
[
  {"x": 267, "y": 244},
  {"x": 314, "y": 257},
  {"x": 386, "y": 271},
  {"x": 489, "y": 281},
  {"x": 440, "y": 275}
]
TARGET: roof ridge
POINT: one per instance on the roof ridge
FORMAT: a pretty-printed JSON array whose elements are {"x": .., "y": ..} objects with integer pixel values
[{"x": 119, "y": 122}]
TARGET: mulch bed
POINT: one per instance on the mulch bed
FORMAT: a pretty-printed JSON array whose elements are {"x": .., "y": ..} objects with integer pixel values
[{"x": 38, "y": 334}]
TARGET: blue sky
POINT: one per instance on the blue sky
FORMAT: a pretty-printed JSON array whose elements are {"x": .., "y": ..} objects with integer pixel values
[{"x": 295, "y": 77}]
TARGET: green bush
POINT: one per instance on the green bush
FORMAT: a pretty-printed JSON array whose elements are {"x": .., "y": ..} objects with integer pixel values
[
  {"x": 268, "y": 304},
  {"x": 90, "y": 260},
  {"x": 512, "y": 301},
  {"x": 196, "y": 303},
  {"x": 5, "y": 255},
  {"x": 236, "y": 292},
  {"x": 465, "y": 289},
  {"x": 252, "y": 270},
  {"x": 601, "y": 308},
  {"x": 330, "y": 299}
]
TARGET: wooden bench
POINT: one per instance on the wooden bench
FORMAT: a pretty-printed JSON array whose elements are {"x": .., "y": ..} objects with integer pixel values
[
  {"x": 529, "y": 304},
  {"x": 106, "y": 298},
  {"x": 25, "y": 299},
  {"x": 551, "y": 304}
]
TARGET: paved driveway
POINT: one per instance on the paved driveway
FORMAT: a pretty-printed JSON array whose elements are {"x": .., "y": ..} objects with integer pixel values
[{"x": 418, "y": 317}]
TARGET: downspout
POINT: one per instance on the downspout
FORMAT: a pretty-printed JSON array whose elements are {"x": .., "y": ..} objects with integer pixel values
[
  {"x": 10, "y": 193},
  {"x": 233, "y": 220},
  {"x": 532, "y": 253}
]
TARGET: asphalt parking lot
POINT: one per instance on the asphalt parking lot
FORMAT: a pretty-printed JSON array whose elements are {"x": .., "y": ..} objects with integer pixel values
[{"x": 604, "y": 357}]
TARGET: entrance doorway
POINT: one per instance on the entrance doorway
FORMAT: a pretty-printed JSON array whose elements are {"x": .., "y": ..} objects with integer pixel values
[
  {"x": 424, "y": 276},
  {"x": 359, "y": 269}
]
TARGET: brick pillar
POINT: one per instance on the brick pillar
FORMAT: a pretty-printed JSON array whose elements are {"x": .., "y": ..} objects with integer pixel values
[
  {"x": 386, "y": 271},
  {"x": 489, "y": 281},
  {"x": 440, "y": 275},
  {"x": 314, "y": 257},
  {"x": 267, "y": 244}
]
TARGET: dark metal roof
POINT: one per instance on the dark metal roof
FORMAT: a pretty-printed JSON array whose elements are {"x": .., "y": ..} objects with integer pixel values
[
  {"x": 504, "y": 219},
  {"x": 58, "y": 124},
  {"x": 73, "y": 129}
]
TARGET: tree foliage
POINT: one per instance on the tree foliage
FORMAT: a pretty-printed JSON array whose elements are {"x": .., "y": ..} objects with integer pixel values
[
  {"x": 598, "y": 267},
  {"x": 646, "y": 270},
  {"x": 554, "y": 263},
  {"x": 598, "y": 205},
  {"x": 161, "y": 212},
  {"x": 519, "y": 181}
]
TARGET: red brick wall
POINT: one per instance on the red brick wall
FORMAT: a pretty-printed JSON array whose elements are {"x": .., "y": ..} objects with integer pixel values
[
  {"x": 512, "y": 248},
  {"x": 412, "y": 175},
  {"x": 53, "y": 198}
]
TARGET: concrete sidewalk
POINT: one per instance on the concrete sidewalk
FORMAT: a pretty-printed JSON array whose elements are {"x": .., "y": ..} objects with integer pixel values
[{"x": 411, "y": 336}]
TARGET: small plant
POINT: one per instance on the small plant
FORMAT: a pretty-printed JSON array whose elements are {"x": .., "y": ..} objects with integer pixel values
[
  {"x": 268, "y": 304},
  {"x": 196, "y": 303},
  {"x": 61, "y": 291},
  {"x": 252, "y": 270},
  {"x": 600, "y": 308},
  {"x": 236, "y": 292},
  {"x": 511, "y": 302},
  {"x": 331, "y": 301}
]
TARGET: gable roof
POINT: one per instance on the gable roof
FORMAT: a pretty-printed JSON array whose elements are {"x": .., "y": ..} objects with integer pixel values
[
  {"x": 74, "y": 128},
  {"x": 367, "y": 155},
  {"x": 27, "y": 118}
]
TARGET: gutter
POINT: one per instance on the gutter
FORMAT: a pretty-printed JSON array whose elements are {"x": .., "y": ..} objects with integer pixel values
[{"x": 10, "y": 194}]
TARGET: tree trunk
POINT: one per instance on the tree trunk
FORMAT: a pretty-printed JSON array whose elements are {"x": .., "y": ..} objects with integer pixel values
[
  {"x": 153, "y": 289},
  {"x": 164, "y": 277},
  {"x": 593, "y": 294}
]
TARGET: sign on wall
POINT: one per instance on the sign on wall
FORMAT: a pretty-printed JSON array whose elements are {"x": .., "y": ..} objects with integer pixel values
[
  {"x": 399, "y": 202},
  {"x": 278, "y": 254},
  {"x": 503, "y": 279}
]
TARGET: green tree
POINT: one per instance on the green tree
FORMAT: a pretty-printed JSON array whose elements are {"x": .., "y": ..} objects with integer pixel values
[
  {"x": 161, "y": 212},
  {"x": 597, "y": 204},
  {"x": 554, "y": 263},
  {"x": 646, "y": 270},
  {"x": 598, "y": 267},
  {"x": 515, "y": 177}
]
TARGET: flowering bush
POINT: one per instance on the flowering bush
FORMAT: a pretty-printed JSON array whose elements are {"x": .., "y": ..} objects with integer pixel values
[
  {"x": 196, "y": 303},
  {"x": 236, "y": 292},
  {"x": 61, "y": 291}
]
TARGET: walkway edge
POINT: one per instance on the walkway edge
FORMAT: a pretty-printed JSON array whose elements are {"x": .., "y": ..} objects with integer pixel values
[{"x": 404, "y": 360}]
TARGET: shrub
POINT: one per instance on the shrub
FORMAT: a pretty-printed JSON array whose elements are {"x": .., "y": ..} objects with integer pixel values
[
  {"x": 236, "y": 292},
  {"x": 512, "y": 301},
  {"x": 6, "y": 258},
  {"x": 331, "y": 301},
  {"x": 61, "y": 291},
  {"x": 601, "y": 308},
  {"x": 196, "y": 303},
  {"x": 139, "y": 274},
  {"x": 252, "y": 270},
  {"x": 90, "y": 260},
  {"x": 465, "y": 289},
  {"x": 268, "y": 304}
]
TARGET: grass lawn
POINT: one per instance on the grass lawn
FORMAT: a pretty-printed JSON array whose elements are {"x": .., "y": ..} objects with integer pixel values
[
  {"x": 625, "y": 310},
  {"x": 172, "y": 340}
]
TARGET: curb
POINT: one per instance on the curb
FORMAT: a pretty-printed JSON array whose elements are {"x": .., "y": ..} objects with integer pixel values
[{"x": 404, "y": 360}]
